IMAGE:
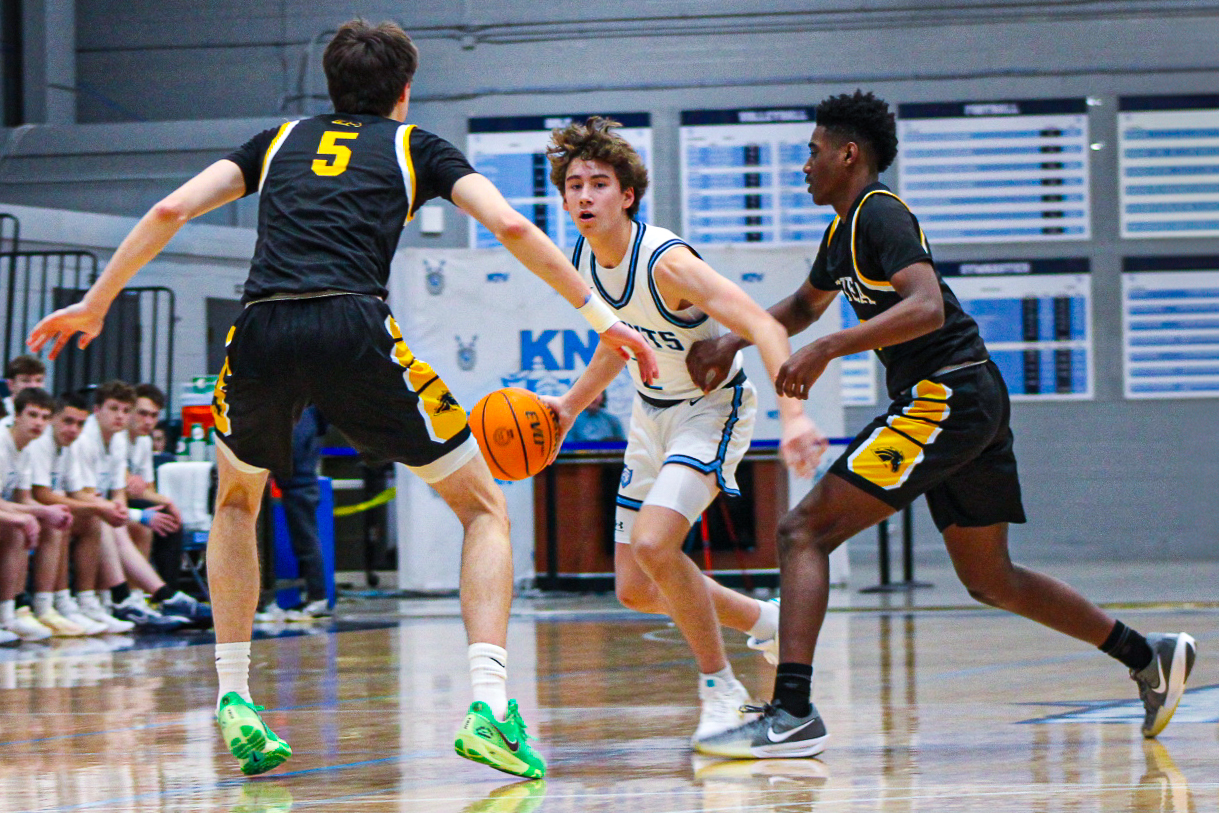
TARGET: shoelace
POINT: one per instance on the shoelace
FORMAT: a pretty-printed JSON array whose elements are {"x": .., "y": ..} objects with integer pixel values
[
  {"x": 514, "y": 715},
  {"x": 766, "y": 709}
]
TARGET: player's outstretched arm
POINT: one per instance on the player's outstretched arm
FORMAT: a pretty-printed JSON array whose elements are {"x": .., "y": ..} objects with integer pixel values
[
  {"x": 709, "y": 360},
  {"x": 681, "y": 276},
  {"x": 479, "y": 198},
  {"x": 601, "y": 370},
  {"x": 215, "y": 186},
  {"x": 920, "y": 312}
]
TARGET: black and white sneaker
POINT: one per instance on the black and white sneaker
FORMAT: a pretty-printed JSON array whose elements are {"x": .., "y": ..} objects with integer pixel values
[
  {"x": 1162, "y": 682},
  {"x": 776, "y": 734}
]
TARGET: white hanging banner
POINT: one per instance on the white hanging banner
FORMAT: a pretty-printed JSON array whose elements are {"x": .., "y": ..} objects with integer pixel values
[{"x": 484, "y": 322}]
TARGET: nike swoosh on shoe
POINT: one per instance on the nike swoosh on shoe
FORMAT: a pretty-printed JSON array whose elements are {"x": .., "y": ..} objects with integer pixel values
[{"x": 786, "y": 735}]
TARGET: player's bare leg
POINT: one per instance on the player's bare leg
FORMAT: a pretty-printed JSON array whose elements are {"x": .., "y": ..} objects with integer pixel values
[
  {"x": 233, "y": 581},
  {"x": 980, "y": 557},
  {"x": 493, "y": 732},
  {"x": 636, "y": 590}
]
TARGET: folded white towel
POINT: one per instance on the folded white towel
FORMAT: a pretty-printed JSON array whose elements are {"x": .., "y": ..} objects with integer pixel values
[{"x": 187, "y": 484}]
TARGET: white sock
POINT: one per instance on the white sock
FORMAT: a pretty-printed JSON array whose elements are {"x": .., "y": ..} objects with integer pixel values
[
  {"x": 233, "y": 670},
  {"x": 138, "y": 595},
  {"x": 62, "y": 597},
  {"x": 8, "y": 611},
  {"x": 88, "y": 598},
  {"x": 489, "y": 676},
  {"x": 43, "y": 602},
  {"x": 767, "y": 625},
  {"x": 717, "y": 680}
]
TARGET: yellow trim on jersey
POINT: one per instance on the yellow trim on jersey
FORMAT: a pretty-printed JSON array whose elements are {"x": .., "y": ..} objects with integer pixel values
[
  {"x": 833, "y": 228},
  {"x": 271, "y": 149},
  {"x": 410, "y": 168},
  {"x": 876, "y": 285}
]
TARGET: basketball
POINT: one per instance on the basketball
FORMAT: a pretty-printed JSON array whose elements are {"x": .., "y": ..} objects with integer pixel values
[{"x": 516, "y": 432}]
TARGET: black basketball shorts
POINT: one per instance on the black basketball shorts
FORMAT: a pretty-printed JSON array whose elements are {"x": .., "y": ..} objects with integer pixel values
[
  {"x": 345, "y": 354},
  {"x": 947, "y": 437}
]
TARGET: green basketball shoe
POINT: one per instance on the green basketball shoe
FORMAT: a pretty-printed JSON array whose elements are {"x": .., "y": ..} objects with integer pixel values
[
  {"x": 504, "y": 746},
  {"x": 247, "y": 736}
]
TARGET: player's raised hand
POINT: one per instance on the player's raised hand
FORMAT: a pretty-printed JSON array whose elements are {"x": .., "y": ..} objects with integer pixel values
[
  {"x": 802, "y": 445},
  {"x": 59, "y": 327},
  {"x": 801, "y": 371},
  {"x": 709, "y": 361},
  {"x": 629, "y": 344}
]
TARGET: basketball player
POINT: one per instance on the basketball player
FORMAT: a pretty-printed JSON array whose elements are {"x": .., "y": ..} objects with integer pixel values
[
  {"x": 336, "y": 191},
  {"x": 683, "y": 445},
  {"x": 945, "y": 435}
]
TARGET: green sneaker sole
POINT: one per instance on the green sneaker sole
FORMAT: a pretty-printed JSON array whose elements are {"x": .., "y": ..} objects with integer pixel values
[
  {"x": 255, "y": 753},
  {"x": 501, "y": 759}
]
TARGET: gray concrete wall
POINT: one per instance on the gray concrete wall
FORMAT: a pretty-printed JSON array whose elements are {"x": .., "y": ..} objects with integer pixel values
[{"x": 1107, "y": 478}]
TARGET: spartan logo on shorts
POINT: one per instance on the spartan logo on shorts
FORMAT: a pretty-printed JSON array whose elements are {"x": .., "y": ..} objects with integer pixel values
[
  {"x": 893, "y": 457},
  {"x": 446, "y": 403}
]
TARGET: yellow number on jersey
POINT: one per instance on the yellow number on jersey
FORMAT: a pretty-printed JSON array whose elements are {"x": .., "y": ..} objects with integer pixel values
[{"x": 341, "y": 154}]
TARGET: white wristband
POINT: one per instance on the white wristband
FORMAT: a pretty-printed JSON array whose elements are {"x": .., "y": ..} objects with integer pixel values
[
  {"x": 597, "y": 313},
  {"x": 135, "y": 515}
]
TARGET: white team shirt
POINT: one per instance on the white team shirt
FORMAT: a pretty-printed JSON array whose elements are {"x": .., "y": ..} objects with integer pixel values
[
  {"x": 14, "y": 466},
  {"x": 102, "y": 468},
  {"x": 139, "y": 458},
  {"x": 630, "y": 290},
  {"x": 53, "y": 466},
  {"x": 7, "y": 420}
]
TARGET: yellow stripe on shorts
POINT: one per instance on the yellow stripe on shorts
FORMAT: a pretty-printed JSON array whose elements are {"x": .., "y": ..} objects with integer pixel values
[
  {"x": 886, "y": 459},
  {"x": 444, "y": 415}
]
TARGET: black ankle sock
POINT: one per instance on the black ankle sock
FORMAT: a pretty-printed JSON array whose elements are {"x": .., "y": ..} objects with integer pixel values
[
  {"x": 1127, "y": 646},
  {"x": 793, "y": 684},
  {"x": 119, "y": 593},
  {"x": 164, "y": 592}
]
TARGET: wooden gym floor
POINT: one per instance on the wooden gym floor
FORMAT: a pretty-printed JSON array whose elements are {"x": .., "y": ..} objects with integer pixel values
[{"x": 929, "y": 709}]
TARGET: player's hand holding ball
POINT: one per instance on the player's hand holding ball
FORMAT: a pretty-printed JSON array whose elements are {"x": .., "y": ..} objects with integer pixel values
[{"x": 517, "y": 432}]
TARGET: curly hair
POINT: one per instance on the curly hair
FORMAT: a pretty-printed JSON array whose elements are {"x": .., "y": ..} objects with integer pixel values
[
  {"x": 593, "y": 141},
  {"x": 862, "y": 118}
]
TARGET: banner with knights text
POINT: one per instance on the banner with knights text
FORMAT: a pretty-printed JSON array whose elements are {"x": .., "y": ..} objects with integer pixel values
[{"x": 483, "y": 322}]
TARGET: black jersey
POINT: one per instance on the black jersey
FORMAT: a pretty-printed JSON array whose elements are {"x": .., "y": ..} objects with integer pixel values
[
  {"x": 336, "y": 192},
  {"x": 861, "y": 253}
]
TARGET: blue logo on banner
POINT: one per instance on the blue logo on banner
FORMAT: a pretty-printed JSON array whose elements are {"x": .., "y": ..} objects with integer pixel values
[
  {"x": 497, "y": 276},
  {"x": 434, "y": 277},
  {"x": 541, "y": 370},
  {"x": 467, "y": 357},
  {"x": 751, "y": 276}
]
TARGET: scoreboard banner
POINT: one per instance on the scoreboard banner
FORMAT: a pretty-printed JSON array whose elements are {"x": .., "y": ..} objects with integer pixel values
[
  {"x": 482, "y": 321},
  {"x": 1170, "y": 327},
  {"x": 743, "y": 178},
  {"x": 1036, "y": 319},
  {"x": 511, "y": 152},
  {"x": 1169, "y": 165},
  {"x": 994, "y": 172}
]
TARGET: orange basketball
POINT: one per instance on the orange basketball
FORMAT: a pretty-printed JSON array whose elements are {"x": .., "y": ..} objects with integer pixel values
[{"x": 516, "y": 432}]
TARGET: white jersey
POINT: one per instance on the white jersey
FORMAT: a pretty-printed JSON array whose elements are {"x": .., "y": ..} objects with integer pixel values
[
  {"x": 53, "y": 466},
  {"x": 630, "y": 290},
  {"x": 7, "y": 420},
  {"x": 139, "y": 458},
  {"x": 14, "y": 466},
  {"x": 102, "y": 468}
]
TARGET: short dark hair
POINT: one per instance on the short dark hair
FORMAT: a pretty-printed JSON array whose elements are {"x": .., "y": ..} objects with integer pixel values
[
  {"x": 593, "y": 141},
  {"x": 76, "y": 400},
  {"x": 24, "y": 365},
  {"x": 36, "y": 396},
  {"x": 866, "y": 120},
  {"x": 368, "y": 66},
  {"x": 152, "y": 392},
  {"x": 114, "y": 391}
]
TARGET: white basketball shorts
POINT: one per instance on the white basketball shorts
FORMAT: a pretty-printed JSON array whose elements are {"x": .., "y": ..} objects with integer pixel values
[{"x": 670, "y": 449}]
